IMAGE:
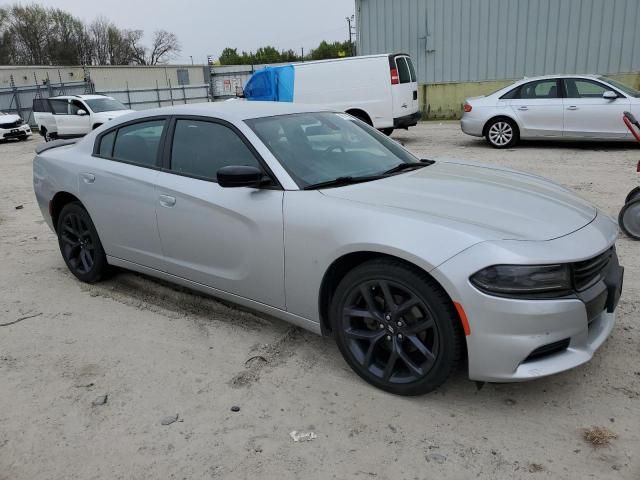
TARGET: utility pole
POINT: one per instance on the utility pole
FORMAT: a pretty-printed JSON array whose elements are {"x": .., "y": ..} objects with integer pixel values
[
  {"x": 302, "y": 49},
  {"x": 350, "y": 20},
  {"x": 191, "y": 56}
]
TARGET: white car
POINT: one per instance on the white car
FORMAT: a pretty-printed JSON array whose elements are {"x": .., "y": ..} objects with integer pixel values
[
  {"x": 381, "y": 90},
  {"x": 12, "y": 126},
  {"x": 557, "y": 107},
  {"x": 71, "y": 116}
]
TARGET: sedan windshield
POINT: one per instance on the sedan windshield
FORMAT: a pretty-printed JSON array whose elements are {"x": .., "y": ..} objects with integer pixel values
[
  {"x": 632, "y": 92},
  {"x": 99, "y": 105},
  {"x": 320, "y": 148}
]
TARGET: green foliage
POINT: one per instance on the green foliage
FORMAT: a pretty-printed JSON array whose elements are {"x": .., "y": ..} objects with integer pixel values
[{"x": 269, "y": 54}]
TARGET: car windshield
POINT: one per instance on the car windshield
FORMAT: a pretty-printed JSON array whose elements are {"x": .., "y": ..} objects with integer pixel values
[
  {"x": 105, "y": 105},
  {"x": 632, "y": 92},
  {"x": 321, "y": 147}
]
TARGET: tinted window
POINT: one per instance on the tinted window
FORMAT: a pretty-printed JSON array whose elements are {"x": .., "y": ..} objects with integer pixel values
[
  {"x": 106, "y": 144},
  {"x": 59, "y": 107},
  {"x": 539, "y": 90},
  {"x": 105, "y": 105},
  {"x": 75, "y": 105},
  {"x": 578, "y": 88},
  {"x": 403, "y": 70},
  {"x": 202, "y": 148},
  {"x": 414, "y": 77},
  {"x": 139, "y": 143}
]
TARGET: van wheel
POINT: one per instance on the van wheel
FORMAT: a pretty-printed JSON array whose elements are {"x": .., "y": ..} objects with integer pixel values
[
  {"x": 502, "y": 133},
  {"x": 45, "y": 134},
  {"x": 360, "y": 115},
  {"x": 387, "y": 131}
]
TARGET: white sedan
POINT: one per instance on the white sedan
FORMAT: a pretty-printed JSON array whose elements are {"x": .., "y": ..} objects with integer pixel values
[{"x": 558, "y": 107}]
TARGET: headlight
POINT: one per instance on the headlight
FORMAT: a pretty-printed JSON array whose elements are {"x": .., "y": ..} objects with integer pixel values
[{"x": 523, "y": 280}]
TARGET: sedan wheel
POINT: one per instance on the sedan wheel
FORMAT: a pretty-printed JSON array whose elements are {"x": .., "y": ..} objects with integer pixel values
[
  {"x": 633, "y": 195},
  {"x": 502, "y": 133},
  {"x": 629, "y": 219},
  {"x": 80, "y": 245},
  {"x": 395, "y": 327}
]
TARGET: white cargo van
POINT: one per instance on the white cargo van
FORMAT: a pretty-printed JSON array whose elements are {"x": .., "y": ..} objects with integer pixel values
[
  {"x": 381, "y": 90},
  {"x": 69, "y": 116}
]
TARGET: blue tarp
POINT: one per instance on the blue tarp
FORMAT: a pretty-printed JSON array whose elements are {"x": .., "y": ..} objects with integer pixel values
[{"x": 273, "y": 84}]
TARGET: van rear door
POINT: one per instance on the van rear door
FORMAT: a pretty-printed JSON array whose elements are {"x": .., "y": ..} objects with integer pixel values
[{"x": 404, "y": 85}]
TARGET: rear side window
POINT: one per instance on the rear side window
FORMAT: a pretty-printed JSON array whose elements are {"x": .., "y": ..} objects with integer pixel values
[
  {"x": 59, "y": 107},
  {"x": 202, "y": 148},
  {"x": 541, "y": 89},
  {"x": 106, "y": 144},
  {"x": 414, "y": 77},
  {"x": 403, "y": 70},
  {"x": 138, "y": 143}
]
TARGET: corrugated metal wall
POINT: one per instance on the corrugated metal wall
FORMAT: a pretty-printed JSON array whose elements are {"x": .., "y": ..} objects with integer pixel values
[{"x": 475, "y": 40}]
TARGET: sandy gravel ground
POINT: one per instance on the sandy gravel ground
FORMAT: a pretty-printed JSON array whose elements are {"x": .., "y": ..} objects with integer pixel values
[{"x": 158, "y": 351}]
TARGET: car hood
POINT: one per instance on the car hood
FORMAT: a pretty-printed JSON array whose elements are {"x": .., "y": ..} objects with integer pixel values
[
  {"x": 9, "y": 118},
  {"x": 511, "y": 205},
  {"x": 111, "y": 115}
]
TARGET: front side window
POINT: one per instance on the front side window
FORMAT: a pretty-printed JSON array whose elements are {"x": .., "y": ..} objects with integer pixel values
[
  {"x": 322, "y": 146},
  {"x": 403, "y": 70},
  {"x": 76, "y": 105},
  {"x": 106, "y": 104},
  {"x": 621, "y": 86},
  {"x": 201, "y": 148},
  {"x": 138, "y": 143},
  {"x": 582, "y": 88},
  {"x": 542, "y": 89}
]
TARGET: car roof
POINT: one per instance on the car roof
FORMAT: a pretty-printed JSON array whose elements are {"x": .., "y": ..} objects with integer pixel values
[
  {"x": 235, "y": 110},
  {"x": 551, "y": 77},
  {"x": 81, "y": 97}
]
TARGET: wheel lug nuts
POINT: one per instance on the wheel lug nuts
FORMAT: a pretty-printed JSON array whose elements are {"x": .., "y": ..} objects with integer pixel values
[
  {"x": 400, "y": 336},
  {"x": 381, "y": 326},
  {"x": 388, "y": 317},
  {"x": 399, "y": 324},
  {"x": 389, "y": 337}
]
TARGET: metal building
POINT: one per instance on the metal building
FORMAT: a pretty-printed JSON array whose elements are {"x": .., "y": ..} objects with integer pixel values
[{"x": 460, "y": 41}]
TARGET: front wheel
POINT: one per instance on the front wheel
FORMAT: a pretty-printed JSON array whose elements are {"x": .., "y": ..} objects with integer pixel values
[
  {"x": 396, "y": 328},
  {"x": 502, "y": 133},
  {"x": 80, "y": 245},
  {"x": 629, "y": 219}
]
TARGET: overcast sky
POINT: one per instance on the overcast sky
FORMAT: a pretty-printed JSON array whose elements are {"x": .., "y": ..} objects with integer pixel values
[{"x": 205, "y": 27}]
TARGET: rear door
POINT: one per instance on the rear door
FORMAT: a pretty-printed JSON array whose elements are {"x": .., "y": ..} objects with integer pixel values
[
  {"x": 538, "y": 107},
  {"x": 588, "y": 115},
  {"x": 404, "y": 86}
]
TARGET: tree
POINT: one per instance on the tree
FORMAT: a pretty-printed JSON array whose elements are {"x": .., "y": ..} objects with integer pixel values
[
  {"x": 229, "y": 56},
  {"x": 164, "y": 47}
]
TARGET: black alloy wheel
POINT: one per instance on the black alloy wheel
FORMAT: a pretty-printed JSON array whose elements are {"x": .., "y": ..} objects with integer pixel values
[
  {"x": 80, "y": 245},
  {"x": 396, "y": 328}
]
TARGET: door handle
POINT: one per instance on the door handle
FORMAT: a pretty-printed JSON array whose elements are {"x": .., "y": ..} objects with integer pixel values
[
  {"x": 88, "y": 177},
  {"x": 167, "y": 201},
  {"x": 523, "y": 109},
  {"x": 572, "y": 107}
]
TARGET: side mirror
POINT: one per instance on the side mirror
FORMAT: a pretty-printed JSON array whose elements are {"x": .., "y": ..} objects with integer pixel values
[
  {"x": 609, "y": 95},
  {"x": 81, "y": 112},
  {"x": 239, "y": 92},
  {"x": 235, "y": 176}
]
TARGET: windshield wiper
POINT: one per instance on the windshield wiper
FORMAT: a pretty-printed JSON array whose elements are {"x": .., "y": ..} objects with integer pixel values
[
  {"x": 409, "y": 166},
  {"x": 340, "y": 181}
]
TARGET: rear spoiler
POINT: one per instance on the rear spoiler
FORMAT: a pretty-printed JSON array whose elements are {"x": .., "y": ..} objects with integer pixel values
[{"x": 54, "y": 144}]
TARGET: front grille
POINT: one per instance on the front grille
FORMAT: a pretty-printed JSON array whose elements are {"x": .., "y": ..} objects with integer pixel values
[
  {"x": 549, "y": 349},
  {"x": 589, "y": 272},
  {"x": 15, "y": 124}
]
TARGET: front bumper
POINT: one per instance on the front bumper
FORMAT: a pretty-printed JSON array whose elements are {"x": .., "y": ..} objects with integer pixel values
[
  {"x": 505, "y": 332},
  {"x": 22, "y": 131},
  {"x": 407, "y": 121}
]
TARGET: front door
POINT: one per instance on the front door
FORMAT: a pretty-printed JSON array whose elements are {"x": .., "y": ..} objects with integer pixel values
[
  {"x": 78, "y": 122},
  {"x": 589, "y": 115},
  {"x": 118, "y": 189},
  {"x": 539, "y": 109},
  {"x": 230, "y": 239}
]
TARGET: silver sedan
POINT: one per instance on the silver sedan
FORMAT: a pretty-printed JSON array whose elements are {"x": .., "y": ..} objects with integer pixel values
[
  {"x": 566, "y": 107},
  {"x": 413, "y": 266}
]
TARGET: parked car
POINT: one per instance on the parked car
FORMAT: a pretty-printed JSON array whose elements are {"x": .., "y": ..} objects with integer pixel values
[
  {"x": 13, "y": 126},
  {"x": 318, "y": 219},
  {"x": 70, "y": 116},
  {"x": 557, "y": 107},
  {"x": 380, "y": 90}
]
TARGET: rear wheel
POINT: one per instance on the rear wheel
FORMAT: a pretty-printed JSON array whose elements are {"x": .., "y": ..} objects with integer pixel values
[
  {"x": 80, "y": 245},
  {"x": 502, "y": 133},
  {"x": 629, "y": 219},
  {"x": 396, "y": 327},
  {"x": 633, "y": 195}
]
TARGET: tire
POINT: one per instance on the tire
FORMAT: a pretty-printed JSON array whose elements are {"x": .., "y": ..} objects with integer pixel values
[
  {"x": 502, "y": 133},
  {"x": 80, "y": 245},
  {"x": 633, "y": 195},
  {"x": 361, "y": 116},
  {"x": 417, "y": 327},
  {"x": 387, "y": 131},
  {"x": 46, "y": 135},
  {"x": 629, "y": 219}
]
